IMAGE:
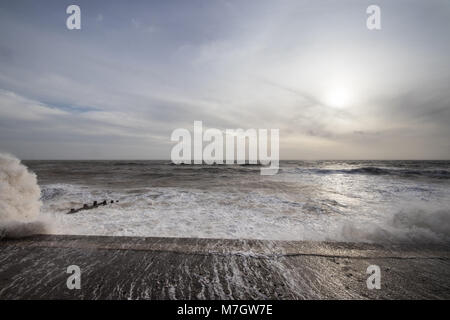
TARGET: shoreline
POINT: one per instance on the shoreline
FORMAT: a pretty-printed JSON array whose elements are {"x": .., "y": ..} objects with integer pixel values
[{"x": 189, "y": 268}]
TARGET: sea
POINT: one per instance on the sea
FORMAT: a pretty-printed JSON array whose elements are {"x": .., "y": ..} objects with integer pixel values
[{"x": 356, "y": 201}]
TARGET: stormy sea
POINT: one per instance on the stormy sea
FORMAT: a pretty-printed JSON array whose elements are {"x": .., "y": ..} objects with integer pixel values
[{"x": 353, "y": 201}]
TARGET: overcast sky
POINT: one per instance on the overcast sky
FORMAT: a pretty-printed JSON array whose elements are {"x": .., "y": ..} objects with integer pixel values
[{"x": 118, "y": 87}]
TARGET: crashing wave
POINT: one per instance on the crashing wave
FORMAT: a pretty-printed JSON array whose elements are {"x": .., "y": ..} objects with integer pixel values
[{"x": 19, "y": 200}]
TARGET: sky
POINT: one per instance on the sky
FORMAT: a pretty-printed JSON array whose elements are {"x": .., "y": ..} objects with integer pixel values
[{"x": 117, "y": 88}]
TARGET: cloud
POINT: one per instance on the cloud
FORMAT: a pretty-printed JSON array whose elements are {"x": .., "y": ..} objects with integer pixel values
[
  {"x": 14, "y": 107},
  {"x": 149, "y": 68}
]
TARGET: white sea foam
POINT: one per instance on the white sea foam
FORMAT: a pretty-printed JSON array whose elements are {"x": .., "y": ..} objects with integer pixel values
[
  {"x": 175, "y": 212},
  {"x": 236, "y": 203}
]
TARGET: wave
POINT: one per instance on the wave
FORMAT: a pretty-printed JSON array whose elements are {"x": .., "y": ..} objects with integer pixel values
[
  {"x": 16, "y": 229},
  {"x": 430, "y": 173},
  {"x": 175, "y": 212},
  {"x": 50, "y": 193},
  {"x": 19, "y": 200},
  {"x": 412, "y": 225}
]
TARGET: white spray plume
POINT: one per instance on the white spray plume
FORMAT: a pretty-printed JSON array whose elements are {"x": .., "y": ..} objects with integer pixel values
[{"x": 19, "y": 200}]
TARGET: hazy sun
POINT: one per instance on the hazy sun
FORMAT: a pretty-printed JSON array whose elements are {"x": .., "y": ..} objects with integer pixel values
[{"x": 338, "y": 97}]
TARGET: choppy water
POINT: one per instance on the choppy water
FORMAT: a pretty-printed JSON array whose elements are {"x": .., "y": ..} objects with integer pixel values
[{"x": 307, "y": 200}]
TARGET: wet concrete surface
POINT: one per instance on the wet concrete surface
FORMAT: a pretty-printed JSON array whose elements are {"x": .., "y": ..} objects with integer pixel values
[{"x": 187, "y": 268}]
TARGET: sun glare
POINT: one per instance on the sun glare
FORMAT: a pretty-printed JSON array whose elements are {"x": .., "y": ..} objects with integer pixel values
[{"x": 338, "y": 97}]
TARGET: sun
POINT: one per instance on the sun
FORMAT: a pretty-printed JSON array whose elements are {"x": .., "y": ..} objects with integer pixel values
[{"x": 338, "y": 97}]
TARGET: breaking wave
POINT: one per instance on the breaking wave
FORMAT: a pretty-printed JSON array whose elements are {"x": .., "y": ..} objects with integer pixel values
[
  {"x": 412, "y": 225},
  {"x": 19, "y": 200}
]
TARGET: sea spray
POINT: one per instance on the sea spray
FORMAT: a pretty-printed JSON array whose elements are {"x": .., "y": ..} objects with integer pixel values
[
  {"x": 412, "y": 223},
  {"x": 19, "y": 200}
]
